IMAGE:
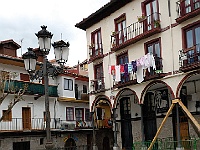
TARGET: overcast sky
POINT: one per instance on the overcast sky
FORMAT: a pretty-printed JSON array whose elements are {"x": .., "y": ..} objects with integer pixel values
[{"x": 21, "y": 19}]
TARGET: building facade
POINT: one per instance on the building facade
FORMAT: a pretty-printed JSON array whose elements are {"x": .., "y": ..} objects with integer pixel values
[
  {"x": 24, "y": 127},
  {"x": 142, "y": 55}
]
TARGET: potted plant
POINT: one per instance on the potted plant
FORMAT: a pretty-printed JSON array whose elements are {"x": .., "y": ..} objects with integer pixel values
[
  {"x": 157, "y": 23},
  {"x": 141, "y": 18}
]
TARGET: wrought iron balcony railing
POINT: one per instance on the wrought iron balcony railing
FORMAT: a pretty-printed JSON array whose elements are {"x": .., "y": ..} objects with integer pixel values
[
  {"x": 95, "y": 51},
  {"x": 145, "y": 27},
  {"x": 189, "y": 58},
  {"x": 33, "y": 88},
  {"x": 20, "y": 124},
  {"x": 98, "y": 85},
  {"x": 81, "y": 96}
]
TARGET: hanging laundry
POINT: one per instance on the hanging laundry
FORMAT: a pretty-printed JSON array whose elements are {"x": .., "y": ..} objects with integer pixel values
[
  {"x": 112, "y": 70},
  {"x": 134, "y": 65},
  {"x": 122, "y": 68},
  {"x": 117, "y": 73},
  {"x": 139, "y": 74},
  {"x": 130, "y": 67}
]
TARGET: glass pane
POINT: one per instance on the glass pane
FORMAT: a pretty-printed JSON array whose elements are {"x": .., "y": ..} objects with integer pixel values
[
  {"x": 157, "y": 50},
  {"x": 150, "y": 49},
  {"x": 196, "y": 4},
  {"x": 155, "y": 12},
  {"x": 189, "y": 39},
  {"x": 197, "y": 35},
  {"x": 187, "y": 6}
]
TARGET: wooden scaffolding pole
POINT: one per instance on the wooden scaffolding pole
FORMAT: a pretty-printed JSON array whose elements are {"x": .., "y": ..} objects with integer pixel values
[{"x": 193, "y": 120}]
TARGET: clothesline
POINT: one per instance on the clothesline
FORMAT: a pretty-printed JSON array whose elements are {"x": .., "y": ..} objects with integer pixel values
[{"x": 136, "y": 68}]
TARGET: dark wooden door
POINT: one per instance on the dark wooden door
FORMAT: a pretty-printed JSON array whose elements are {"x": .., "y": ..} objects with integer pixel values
[
  {"x": 26, "y": 118},
  {"x": 21, "y": 145},
  {"x": 126, "y": 127},
  {"x": 149, "y": 114}
]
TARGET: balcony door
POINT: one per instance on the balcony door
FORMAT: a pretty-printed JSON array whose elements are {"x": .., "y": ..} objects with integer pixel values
[
  {"x": 192, "y": 44},
  {"x": 151, "y": 11},
  {"x": 126, "y": 126},
  {"x": 99, "y": 84},
  {"x": 26, "y": 118},
  {"x": 149, "y": 114}
]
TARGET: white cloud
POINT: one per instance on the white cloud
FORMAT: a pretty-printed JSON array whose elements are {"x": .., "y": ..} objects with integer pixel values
[{"x": 21, "y": 19}]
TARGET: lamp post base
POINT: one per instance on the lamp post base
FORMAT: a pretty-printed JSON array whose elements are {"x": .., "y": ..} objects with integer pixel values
[
  {"x": 116, "y": 147},
  {"x": 49, "y": 145},
  {"x": 94, "y": 147},
  {"x": 180, "y": 148}
]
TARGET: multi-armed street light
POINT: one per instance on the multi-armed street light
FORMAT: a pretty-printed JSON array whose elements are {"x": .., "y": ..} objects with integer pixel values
[{"x": 61, "y": 51}]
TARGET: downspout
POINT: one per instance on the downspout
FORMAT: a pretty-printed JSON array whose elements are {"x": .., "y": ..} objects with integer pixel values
[{"x": 171, "y": 35}]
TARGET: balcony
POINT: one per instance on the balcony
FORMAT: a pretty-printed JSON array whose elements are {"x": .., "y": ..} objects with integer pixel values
[
  {"x": 75, "y": 125},
  {"x": 98, "y": 85},
  {"x": 36, "y": 124},
  {"x": 96, "y": 52},
  {"x": 187, "y": 9},
  {"x": 145, "y": 27},
  {"x": 34, "y": 88},
  {"x": 79, "y": 95},
  {"x": 189, "y": 59},
  {"x": 150, "y": 75},
  {"x": 19, "y": 124}
]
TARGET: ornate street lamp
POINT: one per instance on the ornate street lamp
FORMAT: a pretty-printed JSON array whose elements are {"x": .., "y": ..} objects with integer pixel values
[
  {"x": 30, "y": 59},
  {"x": 47, "y": 69}
]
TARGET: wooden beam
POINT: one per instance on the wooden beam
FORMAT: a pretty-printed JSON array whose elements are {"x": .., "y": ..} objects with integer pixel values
[{"x": 164, "y": 120}]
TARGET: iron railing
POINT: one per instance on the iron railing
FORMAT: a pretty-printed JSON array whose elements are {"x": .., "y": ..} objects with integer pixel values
[
  {"x": 17, "y": 124},
  {"x": 169, "y": 144},
  {"x": 190, "y": 56},
  {"x": 32, "y": 124},
  {"x": 33, "y": 88},
  {"x": 146, "y": 24}
]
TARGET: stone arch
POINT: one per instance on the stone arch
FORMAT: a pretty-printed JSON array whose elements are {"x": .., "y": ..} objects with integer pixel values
[
  {"x": 185, "y": 78},
  {"x": 98, "y": 98},
  {"x": 116, "y": 99},
  {"x": 159, "y": 84}
]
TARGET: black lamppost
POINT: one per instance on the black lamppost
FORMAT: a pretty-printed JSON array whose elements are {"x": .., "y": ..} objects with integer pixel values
[{"x": 61, "y": 51}]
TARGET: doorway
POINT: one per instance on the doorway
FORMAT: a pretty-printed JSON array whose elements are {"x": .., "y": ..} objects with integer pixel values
[
  {"x": 70, "y": 144},
  {"x": 126, "y": 127},
  {"x": 26, "y": 118},
  {"x": 149, "y": 114},
  {"x": 21, "y": 145}
]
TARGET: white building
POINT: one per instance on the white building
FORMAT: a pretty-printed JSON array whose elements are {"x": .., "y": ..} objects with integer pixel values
[
  {"x": 24, "y": 127},
  {"x": 124, "y": 33}
]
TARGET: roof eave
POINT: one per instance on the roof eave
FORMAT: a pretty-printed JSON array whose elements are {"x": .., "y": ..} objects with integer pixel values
[{"x": 103, "y": 12}]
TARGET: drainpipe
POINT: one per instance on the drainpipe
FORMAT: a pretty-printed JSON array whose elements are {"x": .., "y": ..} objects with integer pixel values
[
  {"x": 171, "y": 35},
  {"x": 116, "y": 147}
]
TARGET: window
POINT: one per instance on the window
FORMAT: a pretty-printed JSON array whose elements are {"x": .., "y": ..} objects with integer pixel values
[
  {"x": 121, "y": 60},
  {"x": 98, "y": 70},
  {"x": 120, "y": 29},
  {"x": 192, "y": 43},
  {"x": 154, "y": 48},
  {"x": 84, "y": 89},
  {"x": 68, "y": 84},
  {"x": 88, "y": 115},
  {"x": 79, "y": 114},
  {"x": 188, "y": 6},
  {"x": 69, "y": 113},
  {"x": 24, "y": 77},
  {"x": 96, "y": 43},
  {"x": 150, "y": 9},
  {"x": 7, "y": 116}
]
